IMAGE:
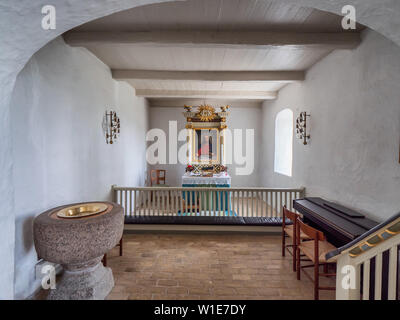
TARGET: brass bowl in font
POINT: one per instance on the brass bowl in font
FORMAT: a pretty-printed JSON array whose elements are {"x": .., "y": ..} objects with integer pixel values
[{"x": 82, "y": 210}]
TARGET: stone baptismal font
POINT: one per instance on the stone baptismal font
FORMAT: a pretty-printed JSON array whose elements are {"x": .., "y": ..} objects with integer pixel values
[{"x": 77, "y": 237}]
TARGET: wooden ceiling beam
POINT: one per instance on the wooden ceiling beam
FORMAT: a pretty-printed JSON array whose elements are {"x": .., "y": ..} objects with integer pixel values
[
  {"x": 237, "y": 76},
  {"x": 201, "y": 94},
  {"x": 173, "y": 103},
  {"x": 229, "y": 39}
]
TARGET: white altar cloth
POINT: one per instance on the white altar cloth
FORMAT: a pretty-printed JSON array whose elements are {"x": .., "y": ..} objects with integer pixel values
[{"x": 222, "y": 178}]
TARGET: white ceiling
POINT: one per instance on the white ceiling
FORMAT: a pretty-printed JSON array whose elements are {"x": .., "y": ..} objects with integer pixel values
[{"x": 211, "y": 15}]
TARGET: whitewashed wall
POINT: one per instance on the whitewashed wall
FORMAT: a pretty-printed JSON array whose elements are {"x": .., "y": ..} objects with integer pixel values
[
  {"x": 239, "y": 118},
  {"x": 353, "y": 156},
  {"x": 60, "y": 154}
]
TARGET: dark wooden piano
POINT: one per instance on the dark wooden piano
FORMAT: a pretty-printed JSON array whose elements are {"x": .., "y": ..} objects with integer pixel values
[{"x": 339, "y": 224}]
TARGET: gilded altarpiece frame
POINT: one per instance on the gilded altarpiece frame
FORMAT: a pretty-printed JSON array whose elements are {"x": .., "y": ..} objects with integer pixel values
[{"x": 206, "y": 133}]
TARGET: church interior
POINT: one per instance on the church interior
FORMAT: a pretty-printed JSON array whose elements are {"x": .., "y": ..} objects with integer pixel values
[{"x": 200, "y": 150}]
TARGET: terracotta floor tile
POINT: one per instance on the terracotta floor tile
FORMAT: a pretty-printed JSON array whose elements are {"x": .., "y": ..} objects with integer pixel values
[
  {"x": 167, "y": 283},
  {"x": 207, "y": 266},
  {"x": 177, "y": 290}
]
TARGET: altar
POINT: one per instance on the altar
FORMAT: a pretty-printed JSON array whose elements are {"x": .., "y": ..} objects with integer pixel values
[
  {"x": 207, "y": 200},
  {"x": 206, "y": 166}
]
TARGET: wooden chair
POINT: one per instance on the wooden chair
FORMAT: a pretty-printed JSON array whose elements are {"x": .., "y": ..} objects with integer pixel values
[
  {"x": 315, "y": 250},
  {"x": 104, "y": 260},
  {"x": 157, "y": 176},
  {"x": 289, "y": 231}
]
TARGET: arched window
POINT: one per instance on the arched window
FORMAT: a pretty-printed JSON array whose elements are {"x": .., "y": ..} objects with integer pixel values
[{"x": 284, "y": 142}]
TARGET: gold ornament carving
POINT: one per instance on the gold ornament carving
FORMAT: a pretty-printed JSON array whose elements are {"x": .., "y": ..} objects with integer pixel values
[
  {"x": 224, "y": 108},
  {"x": 206, "y": 113}
]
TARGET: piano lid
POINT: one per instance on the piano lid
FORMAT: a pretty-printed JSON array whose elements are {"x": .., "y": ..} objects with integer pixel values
[
  {"x": 344, "y": 212},
  {"x": 340, "y": 226}
]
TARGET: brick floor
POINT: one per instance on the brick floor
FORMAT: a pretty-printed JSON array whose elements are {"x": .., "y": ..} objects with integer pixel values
[{"x": 206, "y": 266}]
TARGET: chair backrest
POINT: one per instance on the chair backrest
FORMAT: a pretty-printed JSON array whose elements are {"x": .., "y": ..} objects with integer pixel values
[
  {"x": 287, "y": 214},
  {"x": 292, "y": 216},
  {"x": 311, "y": 232},
  {"x": 157, "y": 176}
]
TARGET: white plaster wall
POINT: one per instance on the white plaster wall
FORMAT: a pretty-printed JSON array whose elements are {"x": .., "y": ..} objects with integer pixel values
[
  {"x": 60, "y": 153},
  {"x": 239, "y": 118},
  {"x": 21, "y": 36},
  {"x": 246, "y": 118},
  {"x": 159, "y": 119},
  {"x": 353, "y": 155}
]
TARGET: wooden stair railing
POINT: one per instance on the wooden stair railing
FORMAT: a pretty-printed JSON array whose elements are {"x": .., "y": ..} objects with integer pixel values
[{"x": 368, "y": 267}]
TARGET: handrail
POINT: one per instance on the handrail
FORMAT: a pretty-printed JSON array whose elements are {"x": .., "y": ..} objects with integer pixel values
[
  {"x": 368, "y": 267},
  {"x": 382, "y": 230}
]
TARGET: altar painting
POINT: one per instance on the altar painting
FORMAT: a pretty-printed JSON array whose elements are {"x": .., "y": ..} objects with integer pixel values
[{"x": 206, "y": 146}]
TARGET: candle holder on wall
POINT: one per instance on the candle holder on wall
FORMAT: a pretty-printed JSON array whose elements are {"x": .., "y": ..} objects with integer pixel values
[
  {"x": 301, "y": 127},
  {"x": 111, "y": 126}
]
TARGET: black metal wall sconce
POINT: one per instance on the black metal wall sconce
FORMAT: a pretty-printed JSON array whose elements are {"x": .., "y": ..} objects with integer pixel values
[
  {"x": 301, "y": 127},
  {"x": 111, "y": 126}
]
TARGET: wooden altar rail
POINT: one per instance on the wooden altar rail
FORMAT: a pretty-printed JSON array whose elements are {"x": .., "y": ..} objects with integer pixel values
[{"x": 179, "y": 201}]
